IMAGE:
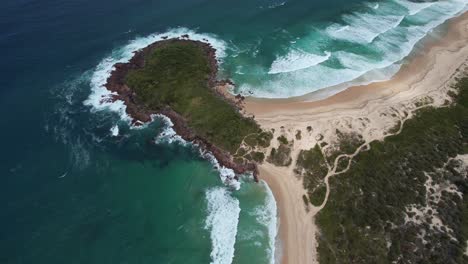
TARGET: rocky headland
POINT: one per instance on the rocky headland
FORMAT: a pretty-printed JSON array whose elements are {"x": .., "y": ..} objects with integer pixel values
[{"x": 138, "y": 108}]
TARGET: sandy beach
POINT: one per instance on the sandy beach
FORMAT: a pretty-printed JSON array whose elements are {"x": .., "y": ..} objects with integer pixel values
[{"x": 369, "y": 110}]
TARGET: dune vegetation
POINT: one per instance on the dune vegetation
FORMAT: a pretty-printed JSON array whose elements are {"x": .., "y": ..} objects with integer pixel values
[{"x": 405, "y": 199}]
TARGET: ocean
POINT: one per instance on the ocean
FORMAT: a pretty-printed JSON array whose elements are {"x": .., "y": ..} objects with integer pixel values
[{"x": 80, "y": 185}]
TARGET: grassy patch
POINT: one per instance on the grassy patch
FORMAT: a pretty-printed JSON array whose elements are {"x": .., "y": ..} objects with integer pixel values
[
  {"x": 311, "y": 165},
  {"x": 312, "y": 160},
  {"x": 282, "y": 140},
  {"x": 280, "y": 156},
  {"x": 347, "y": 143},
  {"x": 177, "y": 75},
  {"x": 264, "y": 138},
  {"x": 241, "y": 152},
  {"x": 342, "y": 164},
  {"x": 261, "y": 139},
  {"x": 317, "y": 195},
  {"x": 258, "y": 156}
]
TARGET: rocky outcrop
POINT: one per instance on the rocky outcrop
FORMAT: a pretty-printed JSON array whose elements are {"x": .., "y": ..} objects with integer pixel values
[{"x": 141, "y": 114}]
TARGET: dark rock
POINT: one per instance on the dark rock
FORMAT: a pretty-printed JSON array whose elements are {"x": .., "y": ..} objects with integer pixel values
[{"x": 140, "y": 114}]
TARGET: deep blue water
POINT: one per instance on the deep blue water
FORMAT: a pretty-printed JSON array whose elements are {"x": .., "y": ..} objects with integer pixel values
[{"x": 73, "y": 193}]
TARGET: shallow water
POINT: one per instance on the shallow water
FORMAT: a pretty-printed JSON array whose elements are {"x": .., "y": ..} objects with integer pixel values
[{"x": 81, "y": 186}]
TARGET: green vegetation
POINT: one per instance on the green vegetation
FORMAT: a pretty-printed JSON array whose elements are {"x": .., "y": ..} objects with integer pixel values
[
  {"x": 363, "y": 221},
  {"x": 241, "y": 152},
  {"x": 258, "y": 156},
  {"x": 280, "y": 156},
  {"x": 261, "y": 139},
  {"x": 311, "y": 165},
  {"x": 312, "y": 162},
  {"x": 298, "y": 135},
  {"x": 317, "y": 196},
  {"x": 342, "y": 164},
  {"x": 251, "y": 140},
  {"x": 346, "y": 143},
  {"x": 424, "y": 101},
  {"x": 305, "y": 199},
  {"x": 282, "y": 140},
  {"x": 177, "y": 75}
]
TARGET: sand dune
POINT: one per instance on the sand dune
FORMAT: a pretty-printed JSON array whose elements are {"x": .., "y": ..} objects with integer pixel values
[{"x": 370, "y": 110}]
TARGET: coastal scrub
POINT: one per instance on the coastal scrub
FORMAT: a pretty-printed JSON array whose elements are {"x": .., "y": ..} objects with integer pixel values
[
  {"x": 179, "y": 75},
  {"x": 406, "y": 197}
]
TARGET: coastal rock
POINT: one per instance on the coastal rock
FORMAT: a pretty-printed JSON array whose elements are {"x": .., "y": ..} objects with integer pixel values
[{"x": 141, "y": 114}]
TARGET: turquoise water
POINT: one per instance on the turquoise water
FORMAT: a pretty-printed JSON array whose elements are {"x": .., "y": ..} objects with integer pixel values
[
  {"x": 365, "y": 43},
  {"x": 82, "y": 186}
]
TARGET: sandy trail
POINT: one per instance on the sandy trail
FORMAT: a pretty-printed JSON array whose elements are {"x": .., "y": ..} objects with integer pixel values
[{"x": 369, "y": 110}]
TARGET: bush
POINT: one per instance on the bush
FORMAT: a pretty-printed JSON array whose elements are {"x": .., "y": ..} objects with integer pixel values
[
  {"x": 367, "y": 204},
  {"x": 280, "y": 156},
  {"x": 258, "y": 156},
  {"x": 282, "y": 140},
  {"x": 298, "y": 135},
  {"x": 177, "y": 74}
]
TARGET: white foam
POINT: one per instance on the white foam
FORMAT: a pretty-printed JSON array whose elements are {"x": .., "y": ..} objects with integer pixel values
[
  {"x": 363, "y": 27},
  {"x": 101, "y": 98},
  {"x": 297, "y": 60},
  {"x": 361, "y": 64},
  {"x": 388, "y": 50},
  {"x": 222, "y": 221},
  {"x": 267, "y": 215},
  {"x": 114, "y": 130},
  {"x": 414, "y": 7},
  {"x": 299, "y": 82},
  {"x": 228, "y": 176},
  {"x": 275, "y": 5},
  {"x": 168, "y": 135}
]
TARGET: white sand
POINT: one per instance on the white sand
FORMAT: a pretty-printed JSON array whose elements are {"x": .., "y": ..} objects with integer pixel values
[{"x": 370, "y": 110}]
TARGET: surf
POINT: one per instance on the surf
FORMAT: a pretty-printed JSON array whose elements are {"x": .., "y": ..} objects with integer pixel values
[
  {"x": 101, "y": 98},
  {"x": 363, "y": 45},
  {"x": 222, "y": 222}
]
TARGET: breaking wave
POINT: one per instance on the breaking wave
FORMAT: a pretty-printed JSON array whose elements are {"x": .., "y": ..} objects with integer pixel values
[
  {"x": 365, "y": 45},
  {"x": 101, "y": 98},
  {"x": 222, "y": 221},
  {"x": 297, "y": 60},
  {"x": 267, "y": 215}
]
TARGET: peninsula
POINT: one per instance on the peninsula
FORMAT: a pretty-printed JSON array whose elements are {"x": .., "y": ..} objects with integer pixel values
[
  {"x": 375, "y": 173},
  {"x": 177, "y": 78}
]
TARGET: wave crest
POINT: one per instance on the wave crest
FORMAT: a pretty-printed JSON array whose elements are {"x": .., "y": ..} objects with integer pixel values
[
  {"x": 222, "y": 221},
  {"x": 297, "y": 60},
  {"x": 101, "y": 98}
]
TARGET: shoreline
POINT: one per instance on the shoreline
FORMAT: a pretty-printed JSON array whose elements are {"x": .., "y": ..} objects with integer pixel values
[
  {"x": 293, "y": 248},
  {"x": 352, "y": 93},
  {"x": 140, "y": 113},
  {"x": 370, "y": 110}
]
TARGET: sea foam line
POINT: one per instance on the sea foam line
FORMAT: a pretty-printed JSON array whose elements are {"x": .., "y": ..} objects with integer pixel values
[
  {"x": 169, "y": 136},
  {"x": 101, "y": 98},
  {"x": 222, "y": 221},
  {"x": 297, "y": 60},
  {"x": 389, "y": 49},
  {"x": 414, "y": 7},
  {"x": 268, "y": 216}
]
